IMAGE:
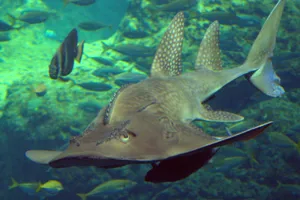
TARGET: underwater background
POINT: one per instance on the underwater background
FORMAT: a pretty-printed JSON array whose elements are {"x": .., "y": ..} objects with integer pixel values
[{"x": 37, "y": 112}]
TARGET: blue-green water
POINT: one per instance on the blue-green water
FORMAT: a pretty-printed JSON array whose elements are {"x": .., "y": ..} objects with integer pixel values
[{"x": 267, "y": 167}]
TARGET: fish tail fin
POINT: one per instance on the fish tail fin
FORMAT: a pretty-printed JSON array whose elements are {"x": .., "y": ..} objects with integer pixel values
[
  {"x": 39, "y": 188},
  {"x": 14, "y": 184},
  {"x": 12, "y": 19},
  {"x": 80, "y": 48},
  {"x": 259, "y": 57},
  {"x": 105, "y": 47},
  {"x": 40, "y": 183},
  {"x": 82, "y": 196}
]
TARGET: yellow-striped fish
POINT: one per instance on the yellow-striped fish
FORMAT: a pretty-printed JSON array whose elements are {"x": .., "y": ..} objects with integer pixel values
[{"x": 109, "y": 187}]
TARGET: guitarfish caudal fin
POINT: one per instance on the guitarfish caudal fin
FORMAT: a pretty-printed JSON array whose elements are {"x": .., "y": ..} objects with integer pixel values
[
  {"x": 259, "y": 57},
  {"x": 258, "y": 60}
]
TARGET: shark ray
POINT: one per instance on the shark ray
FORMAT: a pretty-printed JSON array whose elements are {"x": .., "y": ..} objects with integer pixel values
[{"x": 151, "y": 121}]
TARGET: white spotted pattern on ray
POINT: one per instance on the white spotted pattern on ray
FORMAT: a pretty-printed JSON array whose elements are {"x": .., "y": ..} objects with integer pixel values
[
  {"x": 209, "y": 54},
  {"x": 167, "y": 60}
]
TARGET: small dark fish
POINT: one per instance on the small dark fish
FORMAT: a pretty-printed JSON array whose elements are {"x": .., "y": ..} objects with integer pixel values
[
  {"x": 129, "y": 78},
  {"x": 219, "y": 15},
  {"x": 176, "y": 5},
  {"x": 132, "y": 49},
  {"x": 95, "y": 86},
  {"x": 135, "y": 34},
  {"x": 105, "y": 72},
  {"x": 143, "y": 66},
  {"x": 224, "y": 17},
  {"x": 230, "y": 18},
  {"x": 4, "y": 37},
  {"x": 5, "y": 27},
  {"x": 63, "y": 60},
  {"x": 102, "y": 60},
  {"x": 230, "y": 45},
  {"x": 248, "y": 21},
  {"x": 32, "y": 16},
  {"x": 79, "y": 2},
  {"x": 92, "y": 26},
  {"x": 90, "y": 106}
]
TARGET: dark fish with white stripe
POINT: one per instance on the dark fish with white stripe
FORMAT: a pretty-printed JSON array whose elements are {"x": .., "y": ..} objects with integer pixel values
[{"x": 63, "y": 60}]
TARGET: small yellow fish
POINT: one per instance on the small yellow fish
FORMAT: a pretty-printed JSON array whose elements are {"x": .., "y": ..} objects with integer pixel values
[
  {"x": 282, "y": 140},
  {"x": 109, "y": 187},
  {"x": 29, "y": 188},
  {"x": 240, "y": 126},
  {"x": 50, "y": 188},
  {"x": 228, "y": 163},
  {"x": 291, "y": 188}
]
